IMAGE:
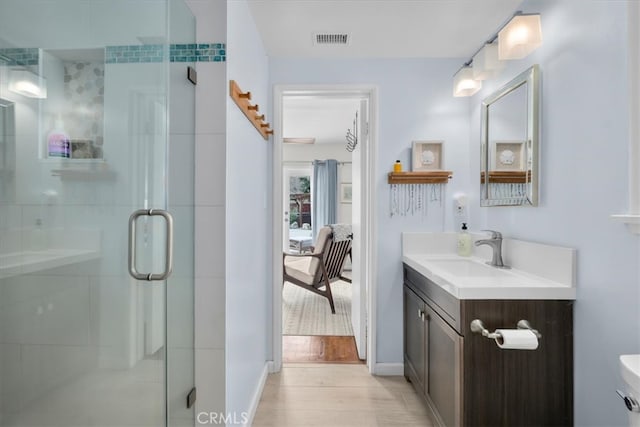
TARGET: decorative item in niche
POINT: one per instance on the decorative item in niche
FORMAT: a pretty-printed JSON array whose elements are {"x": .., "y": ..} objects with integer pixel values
[
  {"x": 426, "y": 155},
  {"x": 84, "y": 105},
  {"x": 509, "y": 155},
  {"x": 346, "y": 192},
  {"x": 85, "y": 149}
]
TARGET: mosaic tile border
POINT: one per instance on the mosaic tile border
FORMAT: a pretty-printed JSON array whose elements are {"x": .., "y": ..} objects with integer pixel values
[
  {"x": 201, "y": 52},
  {"x": 193, "y": 52},
  {"x": 21, "y": 56}
]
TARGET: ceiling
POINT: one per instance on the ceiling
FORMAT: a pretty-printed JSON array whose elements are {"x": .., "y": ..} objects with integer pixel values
[
  {"x": 376, "y": 29},
  {"x": 380, "y": 28},
  {"x": 324, "y": 118}
]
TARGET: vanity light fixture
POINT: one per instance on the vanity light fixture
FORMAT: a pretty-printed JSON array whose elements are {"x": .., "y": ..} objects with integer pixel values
[
  {"x": 521, "y": 36},
  {"x": 486, "y": 63},
  {"x": 515, "y": 39},
  {"x": 463, "y": 82},
  {"x": 27, "y": 83}
]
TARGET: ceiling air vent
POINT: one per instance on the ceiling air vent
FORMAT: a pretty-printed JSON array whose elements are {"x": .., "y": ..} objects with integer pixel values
[{"x": 323, "y": 39}]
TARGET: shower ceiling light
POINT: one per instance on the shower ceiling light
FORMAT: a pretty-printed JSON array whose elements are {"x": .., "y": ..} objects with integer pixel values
[
  {"x": 464, "y": 83},
  {"x": 486, "y": 64},
  {"x": 28, "y": 84},
  {"x": 521, "y": 36}
]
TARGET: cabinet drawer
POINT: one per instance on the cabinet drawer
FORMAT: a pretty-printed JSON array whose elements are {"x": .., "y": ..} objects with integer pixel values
[{"x": 441, "y": 301}]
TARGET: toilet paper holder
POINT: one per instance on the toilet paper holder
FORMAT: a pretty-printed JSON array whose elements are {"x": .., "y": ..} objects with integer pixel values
[{"x": 477, "y": 326}]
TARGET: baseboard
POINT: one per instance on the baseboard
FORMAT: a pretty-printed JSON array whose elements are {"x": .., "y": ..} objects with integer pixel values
[
  {"x": 258, "y": 393},
  {"x": 389, "y": 369}
]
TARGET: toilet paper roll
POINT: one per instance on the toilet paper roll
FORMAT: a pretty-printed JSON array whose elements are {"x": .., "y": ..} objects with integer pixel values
[{"x": 517, "y": 339}]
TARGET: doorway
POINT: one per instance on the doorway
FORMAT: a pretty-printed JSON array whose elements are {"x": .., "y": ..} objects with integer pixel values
[{"x": 354, "y": 190}]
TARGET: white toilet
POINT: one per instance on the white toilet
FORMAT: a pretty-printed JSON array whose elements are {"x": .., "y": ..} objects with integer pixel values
[{"x": 630, "y": 371}]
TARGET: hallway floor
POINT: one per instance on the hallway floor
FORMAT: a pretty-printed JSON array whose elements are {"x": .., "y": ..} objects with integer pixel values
[
  {"x": 328, "y": 395},
  {"x": 319, "y": 349}
]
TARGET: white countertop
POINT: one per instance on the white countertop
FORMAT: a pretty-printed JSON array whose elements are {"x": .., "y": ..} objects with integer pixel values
[
  {"x": 471, "y": 278},
  {"x": 539, "y": 271}
]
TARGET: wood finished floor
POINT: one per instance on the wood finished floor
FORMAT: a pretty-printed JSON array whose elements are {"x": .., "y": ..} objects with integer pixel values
[
  {"x": 319, "y": 349},
  {"x": 329, "y": 395}
]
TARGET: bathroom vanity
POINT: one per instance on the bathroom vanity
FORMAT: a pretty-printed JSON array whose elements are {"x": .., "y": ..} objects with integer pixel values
[{"x": 464, "y": 377}]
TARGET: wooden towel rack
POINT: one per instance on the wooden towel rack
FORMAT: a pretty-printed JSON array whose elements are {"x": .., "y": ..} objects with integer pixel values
[{"x": 242, "y": 100}]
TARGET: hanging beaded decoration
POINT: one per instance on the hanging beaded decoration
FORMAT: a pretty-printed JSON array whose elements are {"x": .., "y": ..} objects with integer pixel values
[{"x": 414, "y": 199}]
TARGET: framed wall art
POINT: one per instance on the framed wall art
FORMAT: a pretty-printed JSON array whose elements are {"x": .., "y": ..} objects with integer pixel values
[{"x": 427, "y": 156}]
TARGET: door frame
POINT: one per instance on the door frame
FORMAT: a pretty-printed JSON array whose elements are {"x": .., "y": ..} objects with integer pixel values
[{"x": 368, "y": 215}]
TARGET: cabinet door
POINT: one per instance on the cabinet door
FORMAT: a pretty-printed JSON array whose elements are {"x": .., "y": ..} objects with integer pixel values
[
  {"x": 444, "y": 368},
  {"x": 414, "y": 339}
]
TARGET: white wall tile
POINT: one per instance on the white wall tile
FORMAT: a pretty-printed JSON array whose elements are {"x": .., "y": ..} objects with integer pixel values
[
  {"x": 181, "y": 103},
  {"x": 181, "y": 166},
  {"x": 210, "y": 242},
  {"x": 211, "y": 97},
  {"x": 210, "y": 170},
  {"x": 183, "y": 220},
  {"x": 181, "y": 379},
  {"x": 210, "y": 312},
  {"x": 210, "y": 380},
  {"x": 180, "y": 312}
]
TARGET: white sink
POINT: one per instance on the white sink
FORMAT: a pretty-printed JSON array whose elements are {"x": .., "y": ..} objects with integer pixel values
[
  {"x": 472, "y": 278},
  {"x": 630, "y": 370},
  {"x": 463, "y": 267}
]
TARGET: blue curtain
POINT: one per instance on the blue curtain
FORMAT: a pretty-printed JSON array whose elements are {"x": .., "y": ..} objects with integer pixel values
[{"x": 324, "y": 202}]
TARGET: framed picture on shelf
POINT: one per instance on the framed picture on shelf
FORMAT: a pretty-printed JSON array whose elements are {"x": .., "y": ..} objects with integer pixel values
[
  {"x": 345, "y": 192},
  {"x": 427, "y": 156},
  {"x": 509, "y": 155}
]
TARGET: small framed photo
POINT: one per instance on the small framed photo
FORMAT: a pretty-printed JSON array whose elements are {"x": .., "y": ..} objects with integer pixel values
[
  {"x": 426, "y": 156},
  {"x": 509, "y": 155},
  {"x": 345, "y": 192}
]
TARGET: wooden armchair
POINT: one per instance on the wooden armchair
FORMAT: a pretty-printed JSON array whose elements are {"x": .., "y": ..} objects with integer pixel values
[{"x": 320, "y": 268}]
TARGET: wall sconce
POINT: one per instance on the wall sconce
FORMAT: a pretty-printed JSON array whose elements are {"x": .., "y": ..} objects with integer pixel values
[
  {"x": 464, "y": 84},
  {"x": 27, "y": 83},
  {"x": 521, "y": 36},
  {"x": 516, "y": 38}
]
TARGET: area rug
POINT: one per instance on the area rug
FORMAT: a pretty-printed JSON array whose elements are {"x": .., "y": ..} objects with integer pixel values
[{"x": 305, "y": 313}]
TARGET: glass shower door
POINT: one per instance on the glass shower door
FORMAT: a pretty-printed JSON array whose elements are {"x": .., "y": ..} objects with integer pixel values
[{"x": 85, "y": 91}]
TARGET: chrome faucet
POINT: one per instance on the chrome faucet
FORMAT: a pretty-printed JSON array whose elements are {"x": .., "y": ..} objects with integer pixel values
[{"x": 496, "y": 244}]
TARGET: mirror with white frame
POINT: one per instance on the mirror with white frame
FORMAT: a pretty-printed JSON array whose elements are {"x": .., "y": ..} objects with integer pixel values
[{"x": 510, "y": 139}]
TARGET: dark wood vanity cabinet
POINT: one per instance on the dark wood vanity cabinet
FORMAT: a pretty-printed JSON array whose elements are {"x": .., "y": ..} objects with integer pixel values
[{"x": 466, "y": 379}]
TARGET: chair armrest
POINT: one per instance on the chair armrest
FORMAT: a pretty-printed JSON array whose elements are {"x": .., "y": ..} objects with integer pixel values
[{"x": 284, "y": 254}]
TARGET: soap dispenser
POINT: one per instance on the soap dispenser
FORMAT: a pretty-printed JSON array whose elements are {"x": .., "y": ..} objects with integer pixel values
[{"x": 464, "y": 241}]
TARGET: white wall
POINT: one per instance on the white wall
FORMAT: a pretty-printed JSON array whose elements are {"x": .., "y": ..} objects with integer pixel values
[
  {"x": 248, "y": 216},
  {"x": 583, "y": 179},
  {"x": 415, "y": 104}
]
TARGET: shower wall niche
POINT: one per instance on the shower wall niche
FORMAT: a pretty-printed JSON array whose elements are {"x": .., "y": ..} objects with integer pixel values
[{"x": 75, "y": 104}]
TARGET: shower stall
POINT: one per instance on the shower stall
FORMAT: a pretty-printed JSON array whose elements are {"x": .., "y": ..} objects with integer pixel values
[{"x": 96, "y": 213}]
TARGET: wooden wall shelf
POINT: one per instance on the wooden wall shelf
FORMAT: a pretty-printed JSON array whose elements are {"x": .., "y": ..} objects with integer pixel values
[
  {"x": 507, "y": 177},
  {"x": 242, "y": 100},
  {"x": 430, "y": 177}
]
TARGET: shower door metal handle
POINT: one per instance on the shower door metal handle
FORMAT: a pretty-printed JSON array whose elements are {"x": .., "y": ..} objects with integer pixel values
[{"x": 168, "y": 263}]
